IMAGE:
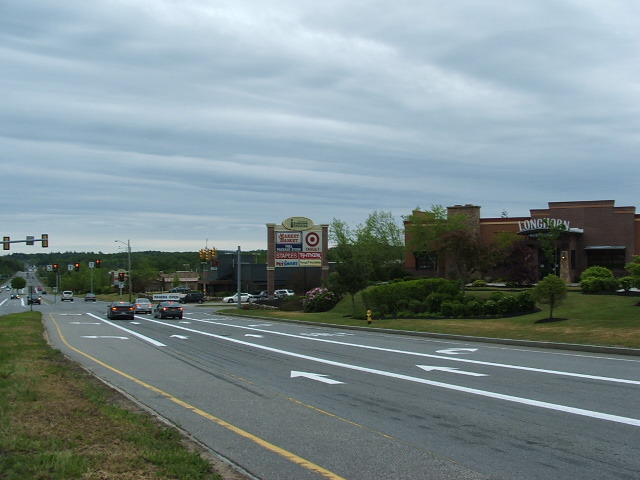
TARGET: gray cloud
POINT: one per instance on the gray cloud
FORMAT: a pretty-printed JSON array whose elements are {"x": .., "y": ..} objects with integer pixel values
[{"x": 174, "y": 122}]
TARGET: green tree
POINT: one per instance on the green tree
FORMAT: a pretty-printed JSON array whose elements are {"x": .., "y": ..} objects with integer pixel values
[
  {"x": 18, "y": 283},
  {"x": 380, "y": 241},
  {"x": 550, "y": 290},
  {"x": 352, "y": 267},
  {"x": 435, "y": 234},
  {"x": 548, "y": 242}
]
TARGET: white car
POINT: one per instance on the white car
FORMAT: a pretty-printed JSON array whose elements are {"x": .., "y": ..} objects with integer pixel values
[
  {"x": 244, "y": 297},
  {"x": 66, "y": 295},
  {"x": 283, "y": 293}
]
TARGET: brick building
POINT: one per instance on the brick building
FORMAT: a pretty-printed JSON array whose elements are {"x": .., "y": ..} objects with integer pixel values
[{"x": 595, "y": 233}]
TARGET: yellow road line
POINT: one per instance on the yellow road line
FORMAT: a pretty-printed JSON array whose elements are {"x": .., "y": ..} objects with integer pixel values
[{"x": 263, "y": 443}]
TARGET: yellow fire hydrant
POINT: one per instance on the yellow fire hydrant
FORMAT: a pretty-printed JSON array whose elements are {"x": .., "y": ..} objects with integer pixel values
[{"x": 369, "y": 317}]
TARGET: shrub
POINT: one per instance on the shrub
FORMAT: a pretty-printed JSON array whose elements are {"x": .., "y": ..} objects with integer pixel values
[
  {"x": 479, "y": 283},
  {"x": 491, "y": 307},
  {"x": 596, "y": 272},
  {"x": 433, "y": 303},
  {"x": 626, "y": 283},
  {"x": 496, "y": 296},
  {"x": 453, "y": 308},
  {"x": 599, "y": 284},
  {"x": 475, "y": 307},
  {"x": 319, "y": 299}
]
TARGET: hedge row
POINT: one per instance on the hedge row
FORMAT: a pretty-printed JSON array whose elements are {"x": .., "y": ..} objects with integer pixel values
[{"x": 441, "y": 298}]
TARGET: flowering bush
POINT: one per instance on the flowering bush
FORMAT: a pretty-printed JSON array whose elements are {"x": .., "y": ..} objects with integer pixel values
[{"x": 319, "y": 299}]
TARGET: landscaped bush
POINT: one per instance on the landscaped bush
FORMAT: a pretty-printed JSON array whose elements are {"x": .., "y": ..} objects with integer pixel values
[
  {"x": 319, "y": 299},
  {"x": 598, "y": 279},
  {"x": 596, "y": 272},
  {"x": 393, "y": 297},
  {"x": 479, "y": 283},
  {"x": 595, "y": 285},
  {"x": 437, "y": 297},
  {"x": 433, "y": 302},
  {"x": 626, "y": 283}
]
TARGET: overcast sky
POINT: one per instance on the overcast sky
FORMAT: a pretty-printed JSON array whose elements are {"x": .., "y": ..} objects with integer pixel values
[{"x": 191, "y": 123}]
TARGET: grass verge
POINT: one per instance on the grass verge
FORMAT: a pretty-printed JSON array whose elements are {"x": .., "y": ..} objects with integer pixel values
[
  {"x": 59, "y": 422},
  {"x": 609, "y": 320}
]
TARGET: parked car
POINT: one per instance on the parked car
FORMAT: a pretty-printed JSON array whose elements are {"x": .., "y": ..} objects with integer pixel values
[
  {"x": 90, "y": 297},
  {"x": 179, "y": 289},
  {"x": 263, "y": 295},
  {"x": 122, "y": 310},
  {"x": 168, "y": 310},
  {"x": 244, "y": 297},
  {"x": 66, "y": 295},
  {"x": 283, "y": 293},
  {"x": 192, "y": 297},
  {"x": 34, "y": 298},
  {"x": 142, "y": 305}
]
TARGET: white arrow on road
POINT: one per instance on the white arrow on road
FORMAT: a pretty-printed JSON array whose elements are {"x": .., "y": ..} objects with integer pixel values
[
  {"x": 315, "y": 376},
  {"x": 254, "y": 335},
  {"x": 429, "y": 368},
  {"x": 104, "y": 336},
  {"x": 181, "y": 337},
  {"x": 456, "y": 351}
]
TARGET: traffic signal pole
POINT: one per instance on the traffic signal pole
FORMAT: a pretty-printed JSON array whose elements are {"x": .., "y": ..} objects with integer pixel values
[{"x": 29, "y": 240}]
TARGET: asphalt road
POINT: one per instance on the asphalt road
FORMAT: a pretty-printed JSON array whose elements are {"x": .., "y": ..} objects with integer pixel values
[{"x": 290, "y": 401}]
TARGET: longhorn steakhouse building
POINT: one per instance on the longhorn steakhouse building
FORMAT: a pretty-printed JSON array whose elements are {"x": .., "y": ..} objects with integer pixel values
[{"x": 596, "y": 233}]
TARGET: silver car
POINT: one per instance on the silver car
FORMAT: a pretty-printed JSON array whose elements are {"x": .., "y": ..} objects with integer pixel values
[{"x": 143, "y": 305}]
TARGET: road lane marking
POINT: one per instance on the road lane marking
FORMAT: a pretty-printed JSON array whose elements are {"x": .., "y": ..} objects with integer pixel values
[
  {"x": 429, "y": 368},
  {"x": 457, "y": 351},
  {"x": 292, "y": 457},
  {"x": 473, "y": 391},
  {"x": 104, "y": 336},
  {"x": 139, "y": 335},
  {"x": 318, "y": 377},
  {"x": 441, "y": 357}
]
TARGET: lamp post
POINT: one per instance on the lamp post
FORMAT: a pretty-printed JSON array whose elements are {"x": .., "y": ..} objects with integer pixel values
[{"x": 128, "y": 244}]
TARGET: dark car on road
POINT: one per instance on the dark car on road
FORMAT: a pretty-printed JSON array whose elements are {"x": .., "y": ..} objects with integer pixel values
[
  {"x": 34, "y": 298},
  {"x": 122, "y": 310},
  {"x": 90, "y": 297},
  {"x": 192, "y": 297},
  {"x": 168, "y": 310}
]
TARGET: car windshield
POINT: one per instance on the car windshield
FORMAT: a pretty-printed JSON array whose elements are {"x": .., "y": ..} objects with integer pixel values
[{"x": 142, "y": 300}]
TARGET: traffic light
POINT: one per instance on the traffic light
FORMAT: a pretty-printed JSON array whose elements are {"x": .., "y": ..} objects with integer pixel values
[
  {"x": 207, "y": 254},
  {"x": 98, "y": 263},
  {"x": 45, "y": 240},
  {"x": 214, "y": 252},
  {"x": 55, "y": 267},
  {"x": 121, "y": 276},
  {"x": 6, "y": 245},
  {"x": 76, "y": 266},
  {"x": 202, "y": 253}
]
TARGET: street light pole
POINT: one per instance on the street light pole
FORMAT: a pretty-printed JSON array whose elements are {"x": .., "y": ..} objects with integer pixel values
[{"x": 128, "y": 244}]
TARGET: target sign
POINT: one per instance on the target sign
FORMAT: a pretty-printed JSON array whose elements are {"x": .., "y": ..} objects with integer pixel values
[{"x": 312, "y": 242}]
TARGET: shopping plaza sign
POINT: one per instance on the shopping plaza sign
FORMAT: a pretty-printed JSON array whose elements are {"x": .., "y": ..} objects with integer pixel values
[{"x": 298, "y": 243}]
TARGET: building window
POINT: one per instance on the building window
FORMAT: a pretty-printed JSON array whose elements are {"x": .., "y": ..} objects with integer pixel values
[
  {"x": 426, "y": 261},
  {"x": 613, "y": 258}
]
